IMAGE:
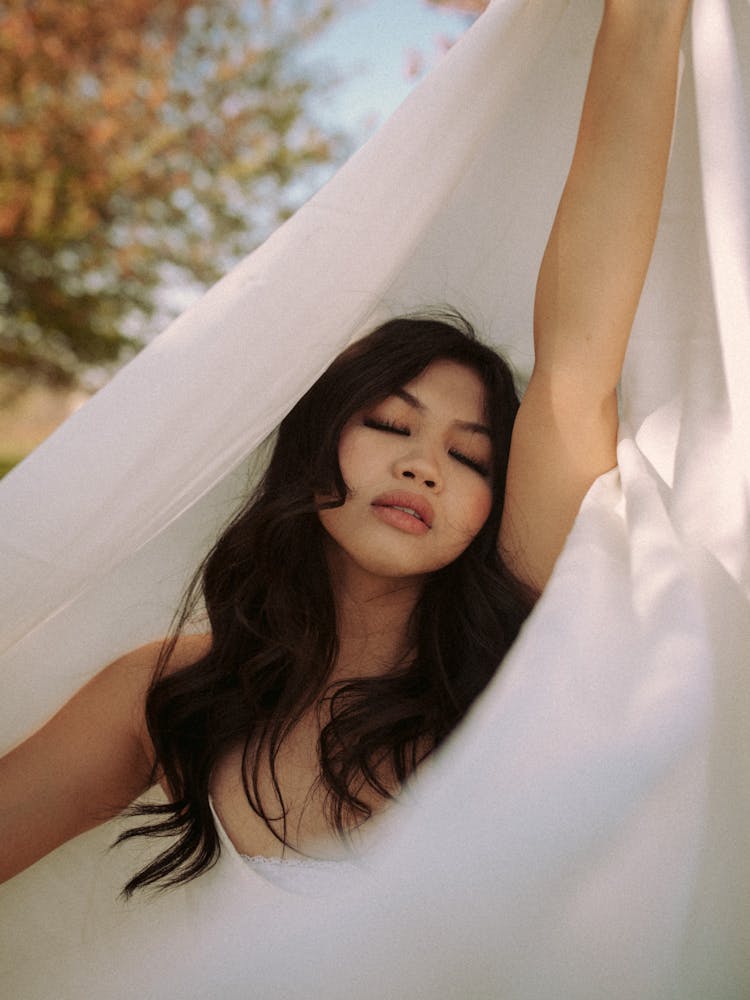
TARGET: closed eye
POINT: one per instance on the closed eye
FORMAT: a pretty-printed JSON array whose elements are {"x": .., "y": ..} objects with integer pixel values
[
  {"x": 386, "y": 425},
  {"x": 472, "y": 463},
  {"x": 393, "y": 428}
]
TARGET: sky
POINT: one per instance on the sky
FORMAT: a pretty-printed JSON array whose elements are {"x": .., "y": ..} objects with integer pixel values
[
  {"x": 367, "y": 48},
  {"x": 369, "y": 45}
]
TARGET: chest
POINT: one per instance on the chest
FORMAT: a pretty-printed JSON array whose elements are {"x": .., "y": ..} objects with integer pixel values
[{"x": 304, "y": 799}]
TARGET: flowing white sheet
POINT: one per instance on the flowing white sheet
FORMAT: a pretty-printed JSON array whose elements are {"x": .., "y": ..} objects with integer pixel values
[{"x": 585, "y": 834}]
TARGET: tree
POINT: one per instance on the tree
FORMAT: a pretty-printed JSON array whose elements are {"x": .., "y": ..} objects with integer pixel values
[
  {"x": 467, "y": 6},
  {"x": 146, "y": 144}
]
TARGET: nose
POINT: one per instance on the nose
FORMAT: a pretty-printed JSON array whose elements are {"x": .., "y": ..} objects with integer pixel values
[{"x": 421, "y": 469}]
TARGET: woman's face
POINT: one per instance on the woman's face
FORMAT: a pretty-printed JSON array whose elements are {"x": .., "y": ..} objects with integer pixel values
[{"x": 417, "y": 466}]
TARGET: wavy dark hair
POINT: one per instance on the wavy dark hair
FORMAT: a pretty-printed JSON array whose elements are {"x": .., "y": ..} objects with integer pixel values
[{"x": 268, "y": 596}]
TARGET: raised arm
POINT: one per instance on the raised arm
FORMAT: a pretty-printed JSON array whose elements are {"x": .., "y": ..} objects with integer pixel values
[{"x": 591, "y": 279}]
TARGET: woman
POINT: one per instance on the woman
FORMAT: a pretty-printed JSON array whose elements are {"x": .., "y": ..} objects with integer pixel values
[{"x": 263, "y": 773}]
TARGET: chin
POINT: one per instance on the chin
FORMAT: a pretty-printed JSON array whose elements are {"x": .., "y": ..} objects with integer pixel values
[{"x": 400, "y": 568}]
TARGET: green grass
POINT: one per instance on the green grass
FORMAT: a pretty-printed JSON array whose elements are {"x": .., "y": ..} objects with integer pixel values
[{"x": 7, "y": 462}]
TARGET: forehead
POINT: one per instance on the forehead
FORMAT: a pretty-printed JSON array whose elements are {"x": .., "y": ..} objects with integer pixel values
[{"x": 450, "y": 387}]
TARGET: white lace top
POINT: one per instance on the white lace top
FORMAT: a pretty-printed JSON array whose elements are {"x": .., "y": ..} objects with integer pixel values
[
  {"x": 301, "y": 876},
  {"x": 304, "y": 876}
]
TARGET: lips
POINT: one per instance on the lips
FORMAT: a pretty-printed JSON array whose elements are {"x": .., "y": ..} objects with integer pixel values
[{"x": 409, "y": 503}]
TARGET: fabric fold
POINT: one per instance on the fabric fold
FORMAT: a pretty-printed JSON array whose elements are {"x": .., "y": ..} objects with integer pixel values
[{"x": 584, "y": 832}]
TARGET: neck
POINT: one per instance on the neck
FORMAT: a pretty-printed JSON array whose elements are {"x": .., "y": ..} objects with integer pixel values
[{"x": 373, "y": 617}]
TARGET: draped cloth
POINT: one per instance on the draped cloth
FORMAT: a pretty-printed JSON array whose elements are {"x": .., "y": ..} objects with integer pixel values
[{"x": 585, "y": 831}]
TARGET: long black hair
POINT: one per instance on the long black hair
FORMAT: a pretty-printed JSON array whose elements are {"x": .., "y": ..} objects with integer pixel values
[{"x": 268, "y": 596}]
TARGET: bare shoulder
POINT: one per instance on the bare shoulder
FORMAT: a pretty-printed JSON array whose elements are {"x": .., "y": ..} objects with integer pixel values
[
  {"x": 162, "y": 658},
  {"x": 134, "y": 671},
  {"x": 182, "y": 651},
  {"x": 90, "y": 761},
  {"x": 185, "y": 650},
  {"x": 120, "y": 690}
]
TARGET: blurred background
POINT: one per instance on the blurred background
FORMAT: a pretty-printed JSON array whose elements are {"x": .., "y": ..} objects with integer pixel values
[{"x": 148, "y": 146}]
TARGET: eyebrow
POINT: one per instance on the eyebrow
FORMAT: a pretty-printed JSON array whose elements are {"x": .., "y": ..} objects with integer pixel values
[{"x": 464, "y": 425}]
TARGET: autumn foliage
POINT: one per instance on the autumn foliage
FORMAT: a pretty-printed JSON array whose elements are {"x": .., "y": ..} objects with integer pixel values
[
  {"x": 466, "y": 6},
  {"x": 144, "y": 143}
]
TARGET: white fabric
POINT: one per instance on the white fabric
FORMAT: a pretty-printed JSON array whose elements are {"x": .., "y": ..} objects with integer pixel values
[{"x": 585, "y": 834}]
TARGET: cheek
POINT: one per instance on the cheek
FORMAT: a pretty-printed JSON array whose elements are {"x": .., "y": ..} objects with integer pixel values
[
  {"x": 477, "y": 509},
  {"x": 348, "y": 455},
  {"x": 362, "y": 457}
]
